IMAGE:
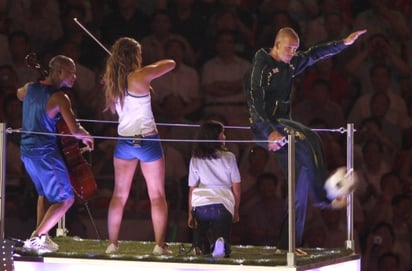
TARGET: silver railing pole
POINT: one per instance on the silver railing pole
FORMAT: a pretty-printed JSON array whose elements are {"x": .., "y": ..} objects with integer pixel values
[
  {"x": 291, "y": 259},
  {"x": 350, "y": 243},
  {"x": 2, "y": 176}
]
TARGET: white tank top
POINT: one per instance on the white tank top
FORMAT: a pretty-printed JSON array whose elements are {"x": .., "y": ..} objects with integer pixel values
[{"x": 136, "y": 116}]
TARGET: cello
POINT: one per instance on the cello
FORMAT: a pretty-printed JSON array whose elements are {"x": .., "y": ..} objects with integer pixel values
[{"x": 81, "y": 176}]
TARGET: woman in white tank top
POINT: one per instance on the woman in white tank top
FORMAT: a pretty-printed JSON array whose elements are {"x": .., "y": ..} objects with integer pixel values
[{"x": 127, "y": 91}]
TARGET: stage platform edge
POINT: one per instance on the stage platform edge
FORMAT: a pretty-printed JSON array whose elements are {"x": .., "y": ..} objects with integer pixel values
[{"x": 351, "y": 262}]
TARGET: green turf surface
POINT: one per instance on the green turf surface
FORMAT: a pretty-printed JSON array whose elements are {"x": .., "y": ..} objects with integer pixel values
[{"x": 142, "y": 251}]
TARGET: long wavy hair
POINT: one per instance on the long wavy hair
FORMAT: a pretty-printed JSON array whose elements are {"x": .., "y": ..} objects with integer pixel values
[
  {"x": 125, "y": 58},
  {"x": 208, "y": 145}
]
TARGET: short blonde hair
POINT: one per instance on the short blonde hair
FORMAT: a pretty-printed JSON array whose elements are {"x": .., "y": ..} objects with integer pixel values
[
  {"x": 60, "y": 61},
  {"x": 287, "y": 32}
]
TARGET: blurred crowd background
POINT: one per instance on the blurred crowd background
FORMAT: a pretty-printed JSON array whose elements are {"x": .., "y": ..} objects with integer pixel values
[{"x": 213, "y": 42}]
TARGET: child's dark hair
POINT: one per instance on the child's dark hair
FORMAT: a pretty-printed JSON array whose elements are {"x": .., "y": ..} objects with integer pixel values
[{"x": 208, "y": 136}]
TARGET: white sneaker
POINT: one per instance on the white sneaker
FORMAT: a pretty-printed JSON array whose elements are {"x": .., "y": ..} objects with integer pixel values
[
  {"x": 219, "y": 249},
  {"x": 112, "y": 249},
  {"x": 39, "y": 245},
  {"x": 50, "y": 242},
  {"x": 158, "y": 250}
]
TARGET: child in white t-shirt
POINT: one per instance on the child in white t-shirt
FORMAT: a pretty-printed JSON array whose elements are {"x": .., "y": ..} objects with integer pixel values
[{"x": 214, "y": 190}]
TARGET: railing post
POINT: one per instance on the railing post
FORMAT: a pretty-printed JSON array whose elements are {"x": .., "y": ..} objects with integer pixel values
[
  {"x": 291, "y": 259},
  {"x": 2, "y": 176},
  {"x": 350, "y": 243}
]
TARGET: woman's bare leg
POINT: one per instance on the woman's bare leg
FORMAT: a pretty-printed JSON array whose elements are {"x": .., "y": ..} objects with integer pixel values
[
  {"x": 154, "y": 173},
  {"x": 123, "y": 176}
]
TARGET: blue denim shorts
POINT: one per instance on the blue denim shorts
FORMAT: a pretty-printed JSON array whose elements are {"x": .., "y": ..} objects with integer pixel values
[
  {"x": 49, "y": 175},
  {"x": 146, "y": 151}
]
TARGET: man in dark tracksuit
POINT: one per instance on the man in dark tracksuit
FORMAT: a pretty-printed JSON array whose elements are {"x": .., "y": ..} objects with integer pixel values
[{"x": 267, "y": 87}]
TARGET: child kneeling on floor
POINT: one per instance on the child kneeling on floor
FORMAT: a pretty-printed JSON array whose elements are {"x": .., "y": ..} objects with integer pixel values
[{"x": 214, "y": 190}]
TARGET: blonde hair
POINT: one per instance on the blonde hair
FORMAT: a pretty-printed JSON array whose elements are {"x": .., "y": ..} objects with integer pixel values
[
  {"x": 58, "y": 63},
  {"x": 125, "y": 58},
  {"x": 287, "y": 32}
]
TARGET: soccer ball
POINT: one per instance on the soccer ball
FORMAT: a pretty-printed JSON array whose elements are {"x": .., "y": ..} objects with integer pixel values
[{"x": 340, "y": 183}]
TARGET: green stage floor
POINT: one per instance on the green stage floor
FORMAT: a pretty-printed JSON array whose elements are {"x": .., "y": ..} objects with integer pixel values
[{"x": 71, "y": 247}]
